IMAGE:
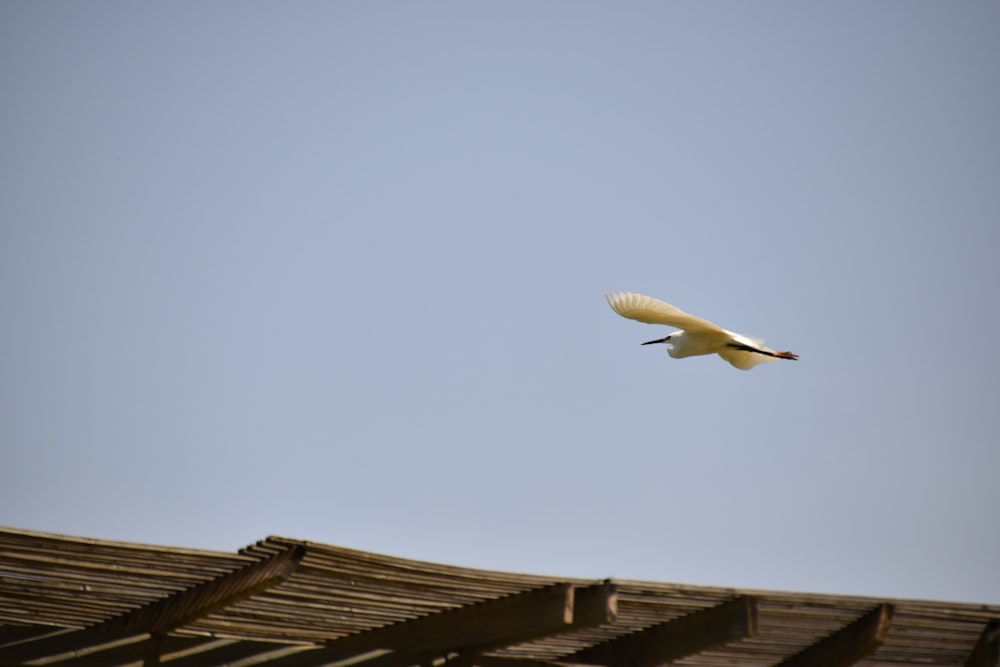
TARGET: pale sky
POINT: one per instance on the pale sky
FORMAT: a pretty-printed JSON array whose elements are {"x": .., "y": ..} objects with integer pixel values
[{"x": 335, "y": 271}]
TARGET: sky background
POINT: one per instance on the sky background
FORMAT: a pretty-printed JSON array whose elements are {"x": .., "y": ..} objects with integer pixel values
[{"x": 335, "y": 271}]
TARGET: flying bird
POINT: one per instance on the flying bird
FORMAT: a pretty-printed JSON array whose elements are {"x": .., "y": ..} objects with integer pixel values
[{"x": 696, "y": 336}]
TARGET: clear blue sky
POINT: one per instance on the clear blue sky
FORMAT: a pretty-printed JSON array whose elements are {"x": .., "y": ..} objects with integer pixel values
[{"x": 335, "y": 271}]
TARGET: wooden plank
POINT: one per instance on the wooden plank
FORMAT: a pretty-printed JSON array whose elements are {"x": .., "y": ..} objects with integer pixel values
[
  {"x": 986, "y": 653},
  {"x": 131, "y": 652},
  {"x": 849, "y": 644},
  {"x": 490, "y": 624},
  {"x": 162, "y": 615},
  {"x": 12, "y": 634},
  {"x": 224, "y": 652},
  {"x": 687, "y": 635}
]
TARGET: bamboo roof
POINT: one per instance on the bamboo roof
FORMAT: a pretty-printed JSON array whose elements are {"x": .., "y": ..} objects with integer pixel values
[{"x": 292, "y": 603}]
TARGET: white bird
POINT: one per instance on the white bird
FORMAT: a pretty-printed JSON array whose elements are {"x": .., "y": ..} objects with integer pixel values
[{"x": 697, "y": 336}]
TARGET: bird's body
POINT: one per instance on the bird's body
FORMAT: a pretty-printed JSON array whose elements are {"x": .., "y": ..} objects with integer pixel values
[{"x": 697, "y": 336}]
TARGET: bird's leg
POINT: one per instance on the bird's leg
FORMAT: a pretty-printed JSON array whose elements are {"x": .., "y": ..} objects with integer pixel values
[{"x": 778, "y": 355}]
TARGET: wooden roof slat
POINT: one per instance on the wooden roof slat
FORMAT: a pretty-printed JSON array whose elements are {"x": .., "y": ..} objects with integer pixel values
[
  {"x": 193, "y": 603},
  {"x": 164, "y": 614},
  {"x": 849, "y": 644},
  {"x": 36, "y": 539},
  {"x": 69, "y": 564},
  {"x": 676, "y": 639},
  {"x": 986, "y": 652}
]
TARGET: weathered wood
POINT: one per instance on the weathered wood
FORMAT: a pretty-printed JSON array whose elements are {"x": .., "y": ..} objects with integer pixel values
[
  {"x": 595, "y": 605},
  {"x": 986, "y": 653},
  {"x": 121, "y": 654},
  {"x": 513, "y": 616},
  {"x": 163, "y": 615},
  {"x": 849, "y": 644},
  {"x": 66, "y": 646},
  {"x": 12, "y": 634},
  {"x": 182, "y": 608},
  {"x": 491, "y": 624},
  {"x": 675, "y": 639},
  {"x": 224, "y": 652},
  {"x": 57, "y": 585}
]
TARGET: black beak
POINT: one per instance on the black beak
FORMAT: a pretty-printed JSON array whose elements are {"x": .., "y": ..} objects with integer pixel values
[{"x": 662, "y": 340}]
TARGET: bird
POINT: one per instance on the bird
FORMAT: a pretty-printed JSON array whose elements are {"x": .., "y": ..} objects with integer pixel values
[{"x": 696, "y": 336}]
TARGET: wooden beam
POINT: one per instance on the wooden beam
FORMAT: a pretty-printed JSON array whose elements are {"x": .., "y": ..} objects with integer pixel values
[
  {"x": 131, "y": 652},
  {"x": 224, "y": 652},
  {"x": 199, "y": 601},
  {"x": 849, "y": 644},
  {"x": 687, "y": 635},
  {"x": 490, "y": 624},
  {"x": 13, "y": 634},
  {"x": 595, "y": 605},
  {"x": 986, "y": 653},
  {"x": 514, "y": 615},
  {"x": 63, "y": 645},
  {"x": 161, "y": 616}
]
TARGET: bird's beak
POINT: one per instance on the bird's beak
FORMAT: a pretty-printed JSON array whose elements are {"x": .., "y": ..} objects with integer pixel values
[{"x": 661, "y": 340}]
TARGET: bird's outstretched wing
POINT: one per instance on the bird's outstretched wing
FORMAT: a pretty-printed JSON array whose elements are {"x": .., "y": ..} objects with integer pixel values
[{"x": 653, "y": 311}]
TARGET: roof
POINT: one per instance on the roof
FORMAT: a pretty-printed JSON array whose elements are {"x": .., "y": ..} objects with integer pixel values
[{"x": 291, "y": 603}]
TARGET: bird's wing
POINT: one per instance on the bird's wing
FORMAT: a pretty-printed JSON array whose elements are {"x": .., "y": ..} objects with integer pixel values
[
  {"x": 653, "y": 311},
  {"x": 745, "y": 359}
]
